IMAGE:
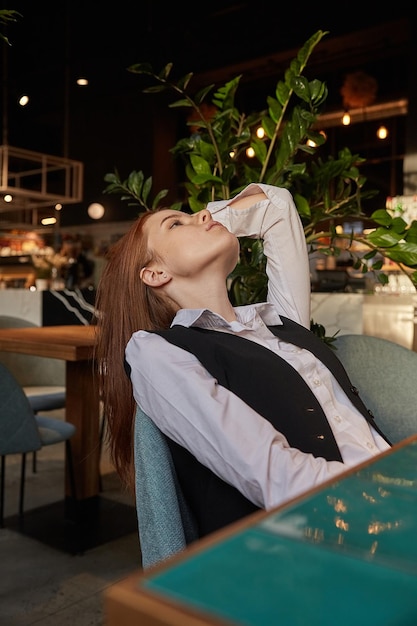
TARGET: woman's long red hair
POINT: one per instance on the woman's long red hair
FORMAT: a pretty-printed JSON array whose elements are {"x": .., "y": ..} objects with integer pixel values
[{"x": 124, "y": 305}]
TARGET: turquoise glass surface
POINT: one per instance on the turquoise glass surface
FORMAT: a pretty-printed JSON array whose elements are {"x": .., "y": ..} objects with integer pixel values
[
  {"x": 371, "y": 515},
  {"x": 345, "y": 555}
]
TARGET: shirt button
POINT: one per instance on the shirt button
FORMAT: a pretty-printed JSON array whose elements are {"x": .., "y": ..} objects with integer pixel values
[
  {"x": 317, "y": 382},
  {"x": 337, "y": 418},
  {"x": 310, "y": 409},
  {"x": 370, "y": 445}
]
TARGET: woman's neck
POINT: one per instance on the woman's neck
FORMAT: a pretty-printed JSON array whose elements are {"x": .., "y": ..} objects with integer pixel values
[{"x": 216, "y": 300}]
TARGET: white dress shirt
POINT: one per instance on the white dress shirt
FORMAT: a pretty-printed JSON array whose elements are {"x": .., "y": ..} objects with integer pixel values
[{"x": 215, "y": 425}]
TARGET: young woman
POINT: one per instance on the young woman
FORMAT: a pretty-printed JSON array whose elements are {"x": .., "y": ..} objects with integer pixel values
[{"x": 255, "y": 408}]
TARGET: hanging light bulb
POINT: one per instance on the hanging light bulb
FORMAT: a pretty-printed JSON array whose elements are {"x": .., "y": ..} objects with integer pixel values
[
  {"x": 23, "y": 100},
  {"x": 96, "y": 211},
  {"x": 382, "y": 132},
  {"x": 312, "y": 143},
  {"x": 346, "y": 119}
]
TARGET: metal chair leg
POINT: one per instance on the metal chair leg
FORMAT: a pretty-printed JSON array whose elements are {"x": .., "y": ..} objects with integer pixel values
[
  {"x": 34, "y": 458},
  {"x": 2, "y": 482},
  {"x": 71, "y": 469},
  {"x": 22, "y": 487},
  {"x": 101, "y": 439}
]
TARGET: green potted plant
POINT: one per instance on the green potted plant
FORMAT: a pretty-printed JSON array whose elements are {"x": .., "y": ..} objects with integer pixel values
[{"x": 288, "y": 155}]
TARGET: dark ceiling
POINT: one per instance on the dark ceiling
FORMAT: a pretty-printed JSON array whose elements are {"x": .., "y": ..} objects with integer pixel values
[{"x": 103, "y": 125}]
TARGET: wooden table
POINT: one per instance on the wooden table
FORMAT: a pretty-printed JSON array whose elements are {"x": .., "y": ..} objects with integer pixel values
[
  {"x": 74, "y": 344},
  {"x": 344, "y": 553}
]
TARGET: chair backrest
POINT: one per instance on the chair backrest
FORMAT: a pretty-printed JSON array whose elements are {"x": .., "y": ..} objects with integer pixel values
[
  {"x": 165, "y": 523},
  {"x": 385, "y": 374},
  {"x": 18, "y": 429},
  {"x": 30, "y": 370}
]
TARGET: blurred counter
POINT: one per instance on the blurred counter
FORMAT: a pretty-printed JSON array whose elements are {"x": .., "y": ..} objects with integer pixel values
[
  {"x": 391, "y": 316},
  {"x": 49, "y": 308},
  {"x": 22, "y": 303}
]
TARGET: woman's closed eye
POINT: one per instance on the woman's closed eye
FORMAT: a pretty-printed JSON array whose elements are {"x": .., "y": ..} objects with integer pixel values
[{"x": 172, "y": 220}]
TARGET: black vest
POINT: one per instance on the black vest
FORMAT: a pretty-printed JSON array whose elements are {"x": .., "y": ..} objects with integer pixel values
[{"x": 275, "y": 390}]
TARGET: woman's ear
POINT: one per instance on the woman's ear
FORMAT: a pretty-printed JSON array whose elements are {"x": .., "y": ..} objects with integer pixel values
[{"x": 153, "y": 277}]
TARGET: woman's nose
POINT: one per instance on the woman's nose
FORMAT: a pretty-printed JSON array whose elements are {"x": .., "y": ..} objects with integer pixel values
[{"x": 204, "y": 215}]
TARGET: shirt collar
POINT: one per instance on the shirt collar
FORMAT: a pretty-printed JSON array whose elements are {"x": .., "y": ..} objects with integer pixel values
[{"x": 248, "y": 317}]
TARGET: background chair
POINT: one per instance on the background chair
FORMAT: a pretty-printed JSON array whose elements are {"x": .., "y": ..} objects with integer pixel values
[
  {"x": 42, "y": 379},
  {"x": 21, "y": 431},
  {"x": 165, "y": 523},
  {"x": 385, "y": 374}
]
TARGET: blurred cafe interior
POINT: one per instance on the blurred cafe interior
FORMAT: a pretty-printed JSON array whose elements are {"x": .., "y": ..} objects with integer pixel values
[
  {"x": 83, "y": 115},
  {"x": 71, "y": 113}
]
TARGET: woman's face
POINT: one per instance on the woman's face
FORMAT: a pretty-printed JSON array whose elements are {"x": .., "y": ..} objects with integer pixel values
[{"x": 187, "y": 245}]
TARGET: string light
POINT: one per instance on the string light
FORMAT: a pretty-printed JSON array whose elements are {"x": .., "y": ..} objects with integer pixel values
[
  {"x": 382, "y": 132},
  {"x": 23, "y": 100},
  {"x": 346, "y": 119},
  {"x": 312, "y": 143}
]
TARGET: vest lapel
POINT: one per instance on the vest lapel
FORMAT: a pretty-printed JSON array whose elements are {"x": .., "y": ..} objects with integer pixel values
[
  {"x": 298, "y": 335},
  {"x": 295, "y": 333}
]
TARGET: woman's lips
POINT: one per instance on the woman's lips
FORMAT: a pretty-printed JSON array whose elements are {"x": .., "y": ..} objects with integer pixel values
[{"x": 212, "y": 224}]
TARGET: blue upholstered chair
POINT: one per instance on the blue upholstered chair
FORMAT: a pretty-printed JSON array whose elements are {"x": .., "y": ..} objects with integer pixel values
[
  {"x": 385, "y": 374},
  {"x": 21, "y": 431},
  {"x": 42, "y": 379},
  {"x": 165, "y": 523}
]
